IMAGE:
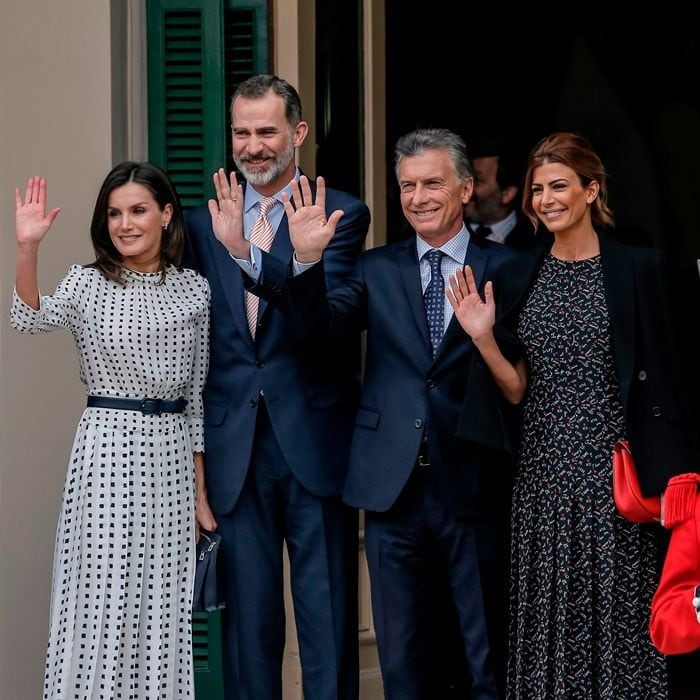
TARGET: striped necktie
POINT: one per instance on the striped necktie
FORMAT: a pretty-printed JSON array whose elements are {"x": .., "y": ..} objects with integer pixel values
[{"x": 261, "y": 235}]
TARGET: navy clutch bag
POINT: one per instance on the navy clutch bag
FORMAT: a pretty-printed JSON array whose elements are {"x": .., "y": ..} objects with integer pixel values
[{"x": 207, "y": 590}]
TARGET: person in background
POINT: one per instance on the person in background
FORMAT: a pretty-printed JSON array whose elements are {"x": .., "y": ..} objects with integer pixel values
[
  {"x": 124, "y": 560},
  {"x": 427, "y": 502},
  {"x": 590, "y": 315},
  {"x": 494, "y": 211},
  {"x": 278, "y": 420}
]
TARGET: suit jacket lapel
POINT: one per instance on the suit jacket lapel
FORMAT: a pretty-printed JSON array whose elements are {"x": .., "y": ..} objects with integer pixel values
[
  {"x": 618, "y": 280},
  {"x": 231, "y": 277},
  {"x": 477, "y": 258},
  {"x": 409, "y": 269}
]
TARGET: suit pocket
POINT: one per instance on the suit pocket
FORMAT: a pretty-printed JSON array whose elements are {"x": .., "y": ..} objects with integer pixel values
[
  {"x": 214, "y": 413},
  {"x": 331, "y": 394},
  {"x": 367, "y": 418}
]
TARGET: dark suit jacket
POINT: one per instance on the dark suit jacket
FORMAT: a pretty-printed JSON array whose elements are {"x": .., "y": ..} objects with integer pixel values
[
  {"x": 642, "y": 353},
  {"x": 522, "y": 236},
  {"x": 310, "y": 396},
  {"x": 405, "y": 392}
]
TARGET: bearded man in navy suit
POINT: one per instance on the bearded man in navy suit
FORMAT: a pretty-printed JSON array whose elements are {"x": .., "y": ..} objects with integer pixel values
[
  {"x": 427, "y": 494},
  {"x": 278, "y": 422}
]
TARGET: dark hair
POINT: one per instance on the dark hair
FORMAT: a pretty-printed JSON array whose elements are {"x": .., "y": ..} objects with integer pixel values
[
  {"x": 415, "y": 142},
  {"x": 258, "y": 86},
  {"x": 510, "y": 164},
  {"x": 576, "y": 153},
  {"x": 107, "y": 258}
]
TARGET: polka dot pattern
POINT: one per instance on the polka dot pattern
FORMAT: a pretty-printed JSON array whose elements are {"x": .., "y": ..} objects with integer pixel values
[
  {"x": 124, "y": 556},
  {"x": 434, "y": 299}
]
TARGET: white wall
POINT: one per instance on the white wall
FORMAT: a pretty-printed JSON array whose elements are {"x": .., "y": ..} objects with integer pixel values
[{"x": 55, "y": 121}]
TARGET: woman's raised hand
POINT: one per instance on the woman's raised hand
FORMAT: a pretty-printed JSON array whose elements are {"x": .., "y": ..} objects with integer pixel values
[
  {"x": 31, "y": 220},
  {"x": 476, "y": 316}
]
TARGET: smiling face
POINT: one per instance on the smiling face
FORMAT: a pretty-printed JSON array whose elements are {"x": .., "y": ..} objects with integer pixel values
[
  {"x": 135, "y": 224},
  {"x": 432, "y": 196},
  {"x": 264, "y": 141},
  {"x": 560, "y": 200}
]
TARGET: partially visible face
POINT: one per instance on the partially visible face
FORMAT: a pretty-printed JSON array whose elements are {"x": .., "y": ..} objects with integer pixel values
[
  {"x": 432, "y": 197},
  {"x": 559, "y": 199},
  {"x": 486, "y": 204},
  {"x": 264, "y": 142},
  {"x": 135, "y": 224}
]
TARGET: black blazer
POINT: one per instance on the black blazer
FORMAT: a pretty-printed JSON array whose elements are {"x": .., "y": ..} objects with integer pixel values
[{"x": 655, "y": 419}]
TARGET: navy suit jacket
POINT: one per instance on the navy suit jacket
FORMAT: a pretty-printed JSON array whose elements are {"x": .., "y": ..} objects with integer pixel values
[
  {"x": 405, "y": 392},
  {"x": 310, "y": 396},
  {"x": 643, "y": 353}
]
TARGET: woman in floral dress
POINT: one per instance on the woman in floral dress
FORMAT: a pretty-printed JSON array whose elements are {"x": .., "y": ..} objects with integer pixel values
[{"x": 588, "y": 315}]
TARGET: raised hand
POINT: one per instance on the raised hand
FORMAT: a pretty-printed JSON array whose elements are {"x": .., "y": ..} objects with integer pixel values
[
  {"x": 31, "y": 220},
  {"x": 476, "y": 316},
  {"x": 227, "y": 214},
  {"x": 309, "y": 228}
]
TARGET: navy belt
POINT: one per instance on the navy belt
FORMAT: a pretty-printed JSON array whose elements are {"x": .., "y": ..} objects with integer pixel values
[{"x": 150, "y": 407}]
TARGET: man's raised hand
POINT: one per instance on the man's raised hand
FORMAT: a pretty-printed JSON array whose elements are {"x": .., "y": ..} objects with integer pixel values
[
  {"x": 227, "y": 215},
  {"x": 309, "y": 229}
]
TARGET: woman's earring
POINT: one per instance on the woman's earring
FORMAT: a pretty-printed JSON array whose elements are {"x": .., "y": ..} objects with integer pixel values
[{"x": 165, "y": 226}]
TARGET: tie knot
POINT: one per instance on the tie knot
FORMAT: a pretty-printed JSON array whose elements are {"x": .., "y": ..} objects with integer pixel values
[
  {"x": 266, "y": 203},
  {"x": 435, "y": 258}
]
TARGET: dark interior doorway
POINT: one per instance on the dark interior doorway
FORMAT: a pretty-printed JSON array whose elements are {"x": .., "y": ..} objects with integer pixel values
[{"x": 627, "y": 83}]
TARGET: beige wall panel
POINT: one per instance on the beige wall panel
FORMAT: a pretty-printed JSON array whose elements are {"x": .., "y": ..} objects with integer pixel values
[{"x": 55, "y": 122}]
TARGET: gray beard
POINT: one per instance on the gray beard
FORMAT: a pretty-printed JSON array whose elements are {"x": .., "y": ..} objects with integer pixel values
[{"x": 261, "y": 178}]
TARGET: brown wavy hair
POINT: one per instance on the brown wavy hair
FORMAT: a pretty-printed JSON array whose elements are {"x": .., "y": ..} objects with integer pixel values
[
  {"x": 575, "y": 152},
  {"x": 107, "y": 258}
]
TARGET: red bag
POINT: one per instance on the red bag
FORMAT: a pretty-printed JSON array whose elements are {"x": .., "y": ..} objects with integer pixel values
[{"x": 626, "y": 491}]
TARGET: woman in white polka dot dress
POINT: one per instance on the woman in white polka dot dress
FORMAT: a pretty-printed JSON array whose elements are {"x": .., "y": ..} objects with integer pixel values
[{"x": 124, "y": 559}]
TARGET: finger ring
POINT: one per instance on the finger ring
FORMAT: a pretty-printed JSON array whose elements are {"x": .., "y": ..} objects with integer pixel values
[{"x": 233, "y": 199}]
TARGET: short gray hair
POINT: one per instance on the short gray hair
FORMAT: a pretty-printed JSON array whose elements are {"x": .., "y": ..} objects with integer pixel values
[{"x": 415, "y": 142}]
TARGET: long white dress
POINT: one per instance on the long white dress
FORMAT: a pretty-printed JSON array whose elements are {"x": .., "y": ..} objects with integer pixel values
[{"x": 124, "y": 558}]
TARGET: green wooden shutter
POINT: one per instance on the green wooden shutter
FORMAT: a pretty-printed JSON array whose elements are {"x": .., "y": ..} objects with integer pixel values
[
  {"x": 207, "y": 656},
  {"x": 198, "y": 53}
]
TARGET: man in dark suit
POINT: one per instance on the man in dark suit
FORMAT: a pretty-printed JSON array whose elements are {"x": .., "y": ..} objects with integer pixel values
[
  {"x": 278, "y": 421},
  {"x": 494, "y": 210},
  {"x": 425, "y": 492}
]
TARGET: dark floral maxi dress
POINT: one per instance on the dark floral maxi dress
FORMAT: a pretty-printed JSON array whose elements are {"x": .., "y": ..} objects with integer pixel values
[{"x": 582, "y": 577}]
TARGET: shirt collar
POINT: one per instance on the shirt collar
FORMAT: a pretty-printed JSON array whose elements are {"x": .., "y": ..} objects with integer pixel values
[
  {"x": 252, "y": 196},
  {"x": 456, "y": 247}
]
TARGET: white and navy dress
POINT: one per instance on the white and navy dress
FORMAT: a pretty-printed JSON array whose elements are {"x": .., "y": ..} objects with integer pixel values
[{"x": 124, "y": 558}]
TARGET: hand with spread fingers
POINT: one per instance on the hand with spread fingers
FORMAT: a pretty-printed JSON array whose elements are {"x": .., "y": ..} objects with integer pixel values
[
  {"x": 227, "y": 214},
  {"x": 476, "y": 316},
  {"x": 31, "y": 220},
  {"x": 309, "y": 228}
]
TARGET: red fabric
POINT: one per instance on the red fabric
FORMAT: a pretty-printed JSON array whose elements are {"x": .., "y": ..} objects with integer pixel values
[{"x": 674, "y": 627}]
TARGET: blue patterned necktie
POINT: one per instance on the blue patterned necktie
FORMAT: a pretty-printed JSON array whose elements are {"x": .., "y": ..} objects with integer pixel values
[{"x": 434, "y": 299}]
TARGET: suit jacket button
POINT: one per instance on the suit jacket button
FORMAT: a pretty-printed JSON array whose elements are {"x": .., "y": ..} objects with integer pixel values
[
  {"x": 430, "y": 384},
  {"x": 642, "y": 375},
  {"x": 259, "y": 364},
  {"x": 418, "y": 423},
  {"x": 656, "y": 411},
  {"x": 253, "y": 403}
]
